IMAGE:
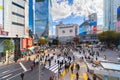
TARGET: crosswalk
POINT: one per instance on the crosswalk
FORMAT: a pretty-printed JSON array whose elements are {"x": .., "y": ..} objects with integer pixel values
[{"x": 54, "y": 66}]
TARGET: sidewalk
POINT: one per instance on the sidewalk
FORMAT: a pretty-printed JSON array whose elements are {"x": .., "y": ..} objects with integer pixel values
[{"x": 32, "y": 57}]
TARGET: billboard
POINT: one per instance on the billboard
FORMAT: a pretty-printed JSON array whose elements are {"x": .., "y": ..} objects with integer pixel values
[
  {"x": 118, "y": 13},
  {"x": 118, "y": 26},
  {"x": 1, "y": 14},
  {"x": 29, "y": 42},
  {"x": 24, "y": 43}
]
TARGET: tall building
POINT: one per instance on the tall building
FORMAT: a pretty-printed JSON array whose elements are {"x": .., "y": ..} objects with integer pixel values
[
  {"x": 42, "y": 18},
  {"x": 14, "y": 22},
  {"x": 110, "y": 13}
]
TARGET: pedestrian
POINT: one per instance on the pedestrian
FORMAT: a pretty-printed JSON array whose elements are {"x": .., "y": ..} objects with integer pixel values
[
  {"x": 94, "y": 77},
  {"x": 72, "y": 68},
  {"x": 77, "y": 76},
  {"x": 31, "y": 66},
  {"x": 22, "y": 76},
  {"x": 51, "y": 78},
  {"x": 78, "y": 67},
  {"x": 73, "y": 58}
]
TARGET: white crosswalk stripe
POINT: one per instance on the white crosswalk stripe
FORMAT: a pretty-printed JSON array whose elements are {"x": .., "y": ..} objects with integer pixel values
[{"x": 54, "y": 66}]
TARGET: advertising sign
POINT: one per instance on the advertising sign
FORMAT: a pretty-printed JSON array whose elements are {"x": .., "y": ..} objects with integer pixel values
[
  {"x": 118, "y": 26},
  {"x": 1, "y": 14},
  {"x": 94, "y": 28},
  {"x": 24, "y": 43},
  {"x": 118, "y": 13},
  {"x": 29, "y": 42}
]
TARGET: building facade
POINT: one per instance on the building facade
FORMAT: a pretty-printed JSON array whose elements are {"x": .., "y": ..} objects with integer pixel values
[
  {"x": 14, "y": 24},
  {"x": 14, "y": 18},
  {"x": 110, "y": 13},
  {"x": 66, "y": 32}
]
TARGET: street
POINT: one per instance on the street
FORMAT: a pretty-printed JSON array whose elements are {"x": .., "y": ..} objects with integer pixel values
[{"x": 52, "y": 67}]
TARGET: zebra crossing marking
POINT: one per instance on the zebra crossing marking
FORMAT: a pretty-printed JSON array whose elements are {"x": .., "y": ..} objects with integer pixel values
[{"x": 54, "y": 67}]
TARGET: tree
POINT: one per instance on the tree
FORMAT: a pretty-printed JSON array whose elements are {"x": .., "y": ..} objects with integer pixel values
[
  {"x": 55, "y": 41},
  {"x": 109, "y": 37},
  {"x": 8, "y": 46},
  {"x": 42, "y": 41}
]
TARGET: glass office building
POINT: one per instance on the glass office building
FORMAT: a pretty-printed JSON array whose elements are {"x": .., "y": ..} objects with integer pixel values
[{"x": 42, "y": 18}]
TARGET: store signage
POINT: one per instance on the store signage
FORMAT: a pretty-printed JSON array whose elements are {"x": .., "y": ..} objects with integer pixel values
[
  {"x": 4, "y": 33},
  {"x": 24, "y": 43}
]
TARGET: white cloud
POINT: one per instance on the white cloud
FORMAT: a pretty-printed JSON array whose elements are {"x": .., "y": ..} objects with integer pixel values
[
  {"x": 78, "y": 8},
  {"x": 60, "y": 10}
]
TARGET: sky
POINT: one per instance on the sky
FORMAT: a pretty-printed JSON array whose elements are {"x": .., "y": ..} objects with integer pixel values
[{"x": 74, "y": 11}]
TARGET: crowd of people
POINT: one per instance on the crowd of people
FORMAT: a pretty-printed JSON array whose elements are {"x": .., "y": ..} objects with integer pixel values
[{"x": 66, "y": 52}]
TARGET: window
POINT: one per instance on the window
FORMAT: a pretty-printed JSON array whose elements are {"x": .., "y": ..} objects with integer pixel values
[
  {"x": 15, "y": 23},
  {"x": 18, "y": 5},
  {"x": 71, "y": 31},
  {"x": 18, "y": 14},
  {"x": 63, "y": 31}
]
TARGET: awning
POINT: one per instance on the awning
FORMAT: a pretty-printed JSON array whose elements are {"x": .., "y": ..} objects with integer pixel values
[
  {"x": 31, "y": 48},
  {"x": 24, "y": 52}
]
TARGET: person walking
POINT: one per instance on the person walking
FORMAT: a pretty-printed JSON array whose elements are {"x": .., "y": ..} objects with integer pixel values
[
  {"x": 22, "y": 76},
  {"x": 77, "y": 76},
  {"x": 77, "y": 67},
  {"x": 51, "y": 78},
  {"x": 72, "y": 68},
  {"x": 31, "y": 66},
  {"x": 94, "y": 77}
]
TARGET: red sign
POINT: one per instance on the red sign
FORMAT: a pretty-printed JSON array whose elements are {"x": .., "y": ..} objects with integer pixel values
[
  {"x": 4, "y": 33},
  {"x": 29, "y": 42},
  {"x": 24, "y": 43},
  {"x": 94, "y": 28}
]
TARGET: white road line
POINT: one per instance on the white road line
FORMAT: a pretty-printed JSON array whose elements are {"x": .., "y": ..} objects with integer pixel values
[
  {"x": 17, "y": 75},
  {"x": 10, "y": 72},
  {"x": 13, "y": 76},
  {"x": 53, "y": 67},
  {"x": 56, "y": 71},
  {"x": 6, "y": 76},
  {"x": 24, "y": 68},
  {"x": 5, "y": 71}
]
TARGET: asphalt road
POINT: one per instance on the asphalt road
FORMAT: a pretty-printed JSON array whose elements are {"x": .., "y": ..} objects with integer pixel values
[
  {"x": 8, "y": 72},
  {"x": 13, "y": 71}
]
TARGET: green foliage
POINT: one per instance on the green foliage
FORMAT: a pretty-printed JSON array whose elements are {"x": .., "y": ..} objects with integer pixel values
[
  {"x": 110, "y": 37},
  {"x": 55, "y": 41},
  {"x": 8, "y": 46},
  {"x": 42, "y": 41}
]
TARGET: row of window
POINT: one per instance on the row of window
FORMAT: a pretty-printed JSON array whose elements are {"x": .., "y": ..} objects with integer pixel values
[
  {"x": 15, "y": 23},
  {"x": 18, "y": 5},
  {"x": 18, "y": 14},
  {"x": 69, "y": 31}
]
